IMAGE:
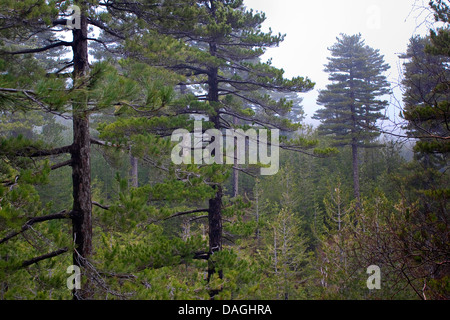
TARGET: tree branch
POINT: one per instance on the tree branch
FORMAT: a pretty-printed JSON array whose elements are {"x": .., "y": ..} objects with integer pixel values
[
  {"x": 202, "y": 255},
  {"x": 180, "y": 214},
  {"x": 102, "y": 26},
  {"x": 100, "y": 205},
  {"x": 46, "y": 153},
  {"x": 36, "y": 50},
  {"x": 107, "y": 144},
  {"x": 198, "y": 218},
  {"x": 15, "y": 90},
  {"x": 58, "y": 216},
  {"x": 62, "y": 164},
  {"x": 197, "y": 71},
  {"x": 44, "y": 257},
  {"x": 31, "y": 95}
]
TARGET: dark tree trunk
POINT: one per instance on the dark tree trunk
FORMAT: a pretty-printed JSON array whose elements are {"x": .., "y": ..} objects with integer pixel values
[
  {"x": 215, "y": 233},
  {"x": 81, "y": 165},
  {"x": 215, "y": 204},
  {"x": 215, "y": 221},
  {"x": 213, "y": 95},
  {"x": 82, "y": 204}
]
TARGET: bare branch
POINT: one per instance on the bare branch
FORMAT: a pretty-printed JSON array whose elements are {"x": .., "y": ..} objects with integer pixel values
[
  {"x": 15, "y": 90},
  {"x": 46, "y": 153},
  {"x": 202, "y": 255},
  {"x": 102, "y": 26},
  {"x": 62, "y": 164},
  {"x": 198, "y": 218},
  {"x": 100, "y": 205},
  {"x": 44, "y": 257},
  {"x": 180, "y": 214},
  {"x": 36, "y": 50},
  {"x": 108, "y": 144},
  {"x": 69, "y": 65}
]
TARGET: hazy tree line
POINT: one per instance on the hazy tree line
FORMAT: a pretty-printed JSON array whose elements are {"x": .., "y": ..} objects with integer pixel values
[{"x": 86, "y": 177}]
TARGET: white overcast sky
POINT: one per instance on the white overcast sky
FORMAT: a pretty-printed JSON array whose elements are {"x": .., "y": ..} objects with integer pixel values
[{"x": 311, "y": 27}]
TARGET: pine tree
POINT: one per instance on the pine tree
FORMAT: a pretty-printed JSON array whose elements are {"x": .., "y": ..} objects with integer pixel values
[
  {"x": 352, "y": 104},
  {"x": 226, "y": 39},
  {"x": 70, "y": 87},
  {"x": 288, "y": 254},
  {"x": 223, "y": 41},
  {"x": 425, "y": 99},
  {"x": 429, "y": 116}
]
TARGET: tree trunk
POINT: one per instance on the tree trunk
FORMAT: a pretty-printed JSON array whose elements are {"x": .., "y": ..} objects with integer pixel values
[
  {"x": 275, "y": 259},
  {"x": 134, "y": 165},
  {"x": 235, "y": 183},
  {"x": 356, "y": 172},
  {"x": 257, "y": 232},
  {"x": 215, "y": 204},
  {"x": 355, "y": 162},
  {"x": 82, "y": 205},
  {"x": 215, "y": 234},
  {"x": 236, "y": 164},
  {"x": 81, "y": 164}
]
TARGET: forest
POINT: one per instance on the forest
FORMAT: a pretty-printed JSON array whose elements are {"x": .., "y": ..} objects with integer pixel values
[{"x": 94, "y": 207}]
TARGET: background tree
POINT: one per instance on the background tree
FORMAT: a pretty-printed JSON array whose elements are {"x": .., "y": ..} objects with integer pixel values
[
  {"x": 425, "y": 100},
  {"x": 351, "y": 102}
]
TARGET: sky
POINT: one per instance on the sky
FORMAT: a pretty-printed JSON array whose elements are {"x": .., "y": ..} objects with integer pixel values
[{"x": 311, "y": 27}]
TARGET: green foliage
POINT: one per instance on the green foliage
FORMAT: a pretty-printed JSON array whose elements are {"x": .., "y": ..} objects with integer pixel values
[
  {"x": 426, "y": 96},
  {"x": 351, "y": 105},
  {"x": 296, "y": 235}
]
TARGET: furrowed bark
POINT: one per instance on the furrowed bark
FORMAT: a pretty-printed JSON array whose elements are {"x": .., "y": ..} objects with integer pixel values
[
  {"x": 82, "y": 205},
  {"x": 215, "y": 204},
  {"x": 215, "y": 233},
  {"x": 81, "y": 166}
]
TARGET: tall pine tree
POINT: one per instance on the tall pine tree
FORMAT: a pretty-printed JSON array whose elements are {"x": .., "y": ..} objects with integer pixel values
[
  {"x": 352, "y": 102},
  {"x": 426, "y": 100},
  {"x": 72, "y": 87},
  {"x": 228, "y": 40},
  {"x": 429, "y": 117}
]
